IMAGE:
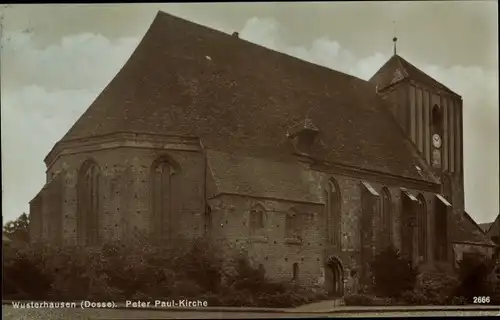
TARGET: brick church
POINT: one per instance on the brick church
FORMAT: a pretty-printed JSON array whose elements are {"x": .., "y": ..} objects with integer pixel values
[{"x": 310, "y": 170}]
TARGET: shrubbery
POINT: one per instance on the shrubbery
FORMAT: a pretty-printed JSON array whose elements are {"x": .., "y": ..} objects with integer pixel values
[
  {"x": 114, "y": 271},
  {"x": 397, "y": 283},
  {"x": 434, "y": 288},
  {"x": 474, "y": 274}
]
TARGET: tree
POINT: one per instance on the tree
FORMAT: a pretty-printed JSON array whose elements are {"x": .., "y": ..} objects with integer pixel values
[
  {"x": 18, "y": 230},
  {"x": 392, "y": 273}
]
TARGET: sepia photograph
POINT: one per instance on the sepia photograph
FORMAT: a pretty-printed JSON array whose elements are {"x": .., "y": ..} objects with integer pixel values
[{"x": 241, "y": 160}]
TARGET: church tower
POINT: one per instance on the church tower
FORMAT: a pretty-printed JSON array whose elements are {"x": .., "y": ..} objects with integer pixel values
[{"x": 431, "y": 116}]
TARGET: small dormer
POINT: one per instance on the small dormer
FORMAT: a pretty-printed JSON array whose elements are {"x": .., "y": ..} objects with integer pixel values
[{"x": 303, "y": 136}]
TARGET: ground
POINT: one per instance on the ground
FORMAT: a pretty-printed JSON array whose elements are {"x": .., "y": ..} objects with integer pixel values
[{"x": 95, "y": 314}]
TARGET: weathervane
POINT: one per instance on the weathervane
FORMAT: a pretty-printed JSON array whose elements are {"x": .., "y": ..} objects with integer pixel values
[{"x": 395, "y": 39}]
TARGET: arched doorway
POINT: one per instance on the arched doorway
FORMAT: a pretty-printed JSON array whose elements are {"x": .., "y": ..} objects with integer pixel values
[{"x": 334, "y": 277}]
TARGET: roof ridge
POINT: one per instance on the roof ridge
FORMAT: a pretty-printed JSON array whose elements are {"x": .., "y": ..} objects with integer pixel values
[{"x": 162, "y": 14}]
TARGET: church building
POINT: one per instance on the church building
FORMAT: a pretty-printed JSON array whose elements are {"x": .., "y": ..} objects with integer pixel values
[{"x": 309, "y": 170}]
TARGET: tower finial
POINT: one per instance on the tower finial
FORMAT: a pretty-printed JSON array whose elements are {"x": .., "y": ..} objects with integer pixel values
[{"x": 395, "y": 38}]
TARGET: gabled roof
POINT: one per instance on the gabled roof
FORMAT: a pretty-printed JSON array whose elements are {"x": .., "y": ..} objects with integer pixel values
[
  {"x": 397, "y": 69},
  {"x": 465, "y": 229},
  {"x": 186, "y": 79}
]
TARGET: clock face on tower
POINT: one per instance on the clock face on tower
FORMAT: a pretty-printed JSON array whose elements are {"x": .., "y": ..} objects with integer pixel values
[{"x": 436, "y": 140}]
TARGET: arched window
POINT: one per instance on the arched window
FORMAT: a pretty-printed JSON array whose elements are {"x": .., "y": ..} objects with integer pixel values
[
  {"x": 422, "y": 228},
  {"x": 333, "y": 217},
  {"x": 162, "y": 172},
  {"x": 292, "y": 226},
  {"x": 256, "y": 219},
  {"x": 385, "y": 218},
  {"x": 88, "y": 205}
]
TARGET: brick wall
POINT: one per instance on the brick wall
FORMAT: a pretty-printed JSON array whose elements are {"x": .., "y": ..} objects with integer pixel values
[
  {"x": 230, "y": 221},
  {"x": 124, "y": 192},
  {"x": 125, "y": 211},
  {"x": 36, "y": 219}
]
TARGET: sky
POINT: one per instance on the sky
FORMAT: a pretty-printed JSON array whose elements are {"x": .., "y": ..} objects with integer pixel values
[{"x": 55, "y": 60}]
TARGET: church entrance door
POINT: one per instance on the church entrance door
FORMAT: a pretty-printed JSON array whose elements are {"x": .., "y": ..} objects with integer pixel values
[{"x": 334, "y": 277}]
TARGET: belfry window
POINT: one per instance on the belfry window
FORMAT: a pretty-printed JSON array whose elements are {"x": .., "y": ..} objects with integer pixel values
[
  {"x": 88, "y": 204},
  {"x": 162, "y": 172},
  {"x": 437, "y": 120}
]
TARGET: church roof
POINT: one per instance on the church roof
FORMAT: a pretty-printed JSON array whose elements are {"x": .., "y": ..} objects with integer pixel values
[
  {"x": 189, "y": 80},
  {"x": 397, "y": 69},
  {"x": 262, "y": 178}
]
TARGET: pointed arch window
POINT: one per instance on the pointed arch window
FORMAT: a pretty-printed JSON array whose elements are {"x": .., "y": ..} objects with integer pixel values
[
  {"x": 385, "y": 218},
  {"x": 422, "y": 228},
  {"x": 88, "y": 204},
  {"x": 333, "y": 217},
  {"x": 162, "y": 172}
]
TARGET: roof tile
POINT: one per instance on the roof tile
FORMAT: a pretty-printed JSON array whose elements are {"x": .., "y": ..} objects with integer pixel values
[{"x": 245, "y": 97}]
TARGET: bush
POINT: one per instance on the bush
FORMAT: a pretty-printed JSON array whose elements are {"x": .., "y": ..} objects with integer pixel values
[
  {"x": 474, "y": 272},
  {"x": 144, "y": 270},
  {"x": 392, "y": 274},
  {"x": 433, "y": 288},
  {"x": 23, "y": 275}
]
